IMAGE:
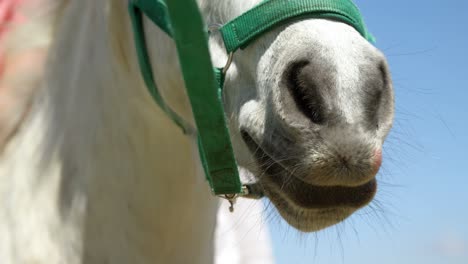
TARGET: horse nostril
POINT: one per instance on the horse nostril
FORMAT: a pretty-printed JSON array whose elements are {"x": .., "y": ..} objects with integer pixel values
[{"x": 304, "y": 90}]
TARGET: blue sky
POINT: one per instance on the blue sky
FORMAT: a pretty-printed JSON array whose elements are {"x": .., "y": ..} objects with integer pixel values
[{"x": 424, "y": 190}]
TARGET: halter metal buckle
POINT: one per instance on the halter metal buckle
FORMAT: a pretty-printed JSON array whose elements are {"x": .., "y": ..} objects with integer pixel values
[{"x": 232, "y": 198}]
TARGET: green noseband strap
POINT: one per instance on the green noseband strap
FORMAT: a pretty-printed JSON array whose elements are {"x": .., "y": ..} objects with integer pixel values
[
  {"x": 239, "y": 32},
  {"x": 181, "y": 20}
]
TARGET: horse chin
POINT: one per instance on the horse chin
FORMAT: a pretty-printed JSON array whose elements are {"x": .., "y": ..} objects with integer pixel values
[{"x": 305, "y": 206}]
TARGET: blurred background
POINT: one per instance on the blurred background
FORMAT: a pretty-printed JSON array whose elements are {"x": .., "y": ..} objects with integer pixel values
[{"x": 421, "y": 212}]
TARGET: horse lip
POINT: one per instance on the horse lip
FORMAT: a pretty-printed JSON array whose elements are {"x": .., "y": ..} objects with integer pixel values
[
  {"x": 310, "y": 196},
  {"x": 319, "y": 197}
]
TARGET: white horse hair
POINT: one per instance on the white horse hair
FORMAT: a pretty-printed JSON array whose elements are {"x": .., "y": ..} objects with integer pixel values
[{"x": 99, "y": 174}]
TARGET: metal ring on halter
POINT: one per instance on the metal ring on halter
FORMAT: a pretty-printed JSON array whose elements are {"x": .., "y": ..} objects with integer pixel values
[
  {"x": 228, "y": 63},
  {"x": 231, "y": 198},
  {"x": 250, "y": 191},
  {"x": 215, "y": 28}
]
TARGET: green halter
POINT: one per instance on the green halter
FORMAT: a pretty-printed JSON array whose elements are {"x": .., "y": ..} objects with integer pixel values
[{"x": 181, "y": 20}]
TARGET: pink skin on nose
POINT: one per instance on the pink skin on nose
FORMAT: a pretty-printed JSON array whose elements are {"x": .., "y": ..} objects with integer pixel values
[{"x": 377, "y": 160}]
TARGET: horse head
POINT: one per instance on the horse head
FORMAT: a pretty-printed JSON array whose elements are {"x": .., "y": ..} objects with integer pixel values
[{"x": 309, "y": 106}]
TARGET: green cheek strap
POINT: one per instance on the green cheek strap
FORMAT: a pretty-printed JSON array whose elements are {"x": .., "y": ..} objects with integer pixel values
[{"x": 205, "y": 94}]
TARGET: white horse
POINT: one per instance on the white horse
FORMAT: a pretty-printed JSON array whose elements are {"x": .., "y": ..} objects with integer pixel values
[{"x": 99, "y": 174}]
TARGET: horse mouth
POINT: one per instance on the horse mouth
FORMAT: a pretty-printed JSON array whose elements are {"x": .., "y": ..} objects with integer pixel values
[
  {"x": 292, "y": 196},
  {"x": 309, "y": 196}
]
